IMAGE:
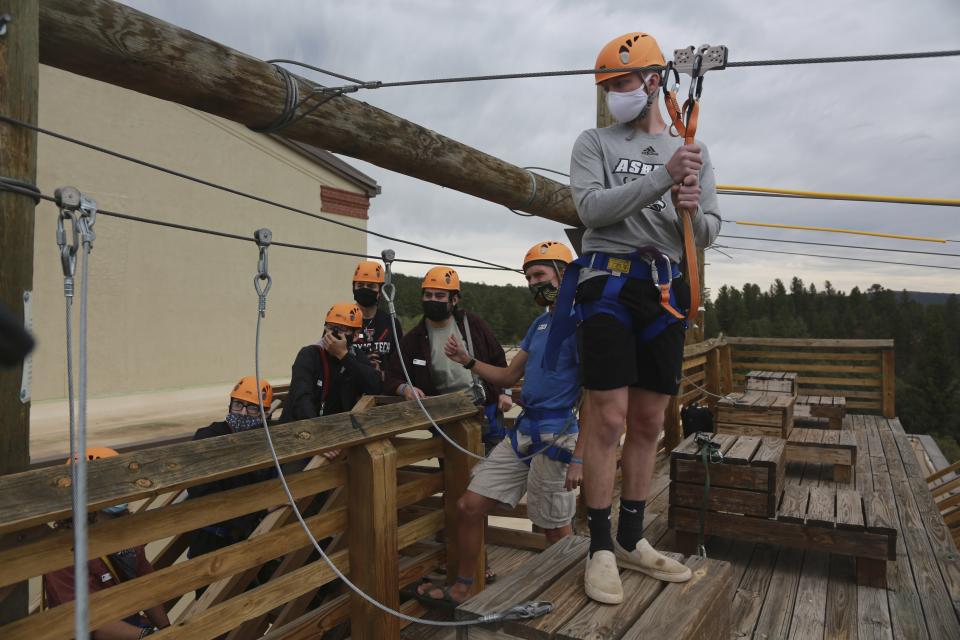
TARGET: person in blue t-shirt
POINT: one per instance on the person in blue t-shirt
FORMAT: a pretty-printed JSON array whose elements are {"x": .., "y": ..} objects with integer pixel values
[{"x": 542, "y": 455}]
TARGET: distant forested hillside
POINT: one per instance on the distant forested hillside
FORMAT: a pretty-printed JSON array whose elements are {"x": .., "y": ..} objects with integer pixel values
[{"x": 926, "y": 335}]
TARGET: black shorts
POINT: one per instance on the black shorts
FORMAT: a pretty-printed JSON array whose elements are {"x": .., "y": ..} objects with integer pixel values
[{"x": 611, "y": 356}]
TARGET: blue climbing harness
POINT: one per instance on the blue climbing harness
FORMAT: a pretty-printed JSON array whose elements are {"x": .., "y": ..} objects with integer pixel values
[
  {"x": 534, "y": 418},
  {"x": 647, "y": 263},
  {"x": 495, "y": 431}
]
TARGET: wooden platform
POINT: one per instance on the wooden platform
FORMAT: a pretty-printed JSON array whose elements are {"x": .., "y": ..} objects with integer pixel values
[
  {"x": 794, "y": 594},
  {"x": 652, "y": 609},
  {"x": 828, "y": 447}
]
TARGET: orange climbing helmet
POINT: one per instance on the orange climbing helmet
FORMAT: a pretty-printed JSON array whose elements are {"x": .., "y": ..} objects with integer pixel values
[
  {"x": 548, "y": 251},
  {"x": 246, "y": 390},
  {"x": 441, "y": 278},
  {"x": 629, "y": 50},
  {"x": 95, "y": 453},
  {"x": 369, "y": 271},
  {"x": 347, "y": 314}
]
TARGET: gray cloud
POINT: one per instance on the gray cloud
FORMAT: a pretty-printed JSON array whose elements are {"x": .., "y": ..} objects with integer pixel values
[{"x": 887, "y": 127}]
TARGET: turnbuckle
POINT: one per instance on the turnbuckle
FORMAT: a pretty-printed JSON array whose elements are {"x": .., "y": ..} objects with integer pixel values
[{"x": 263, "y": 238}]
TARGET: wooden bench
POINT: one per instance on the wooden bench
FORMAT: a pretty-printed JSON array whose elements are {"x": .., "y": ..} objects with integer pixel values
[
  {"x": 825, "y": 412},
  {"x": 820, "y": 446},
  {"x": 755, "y": 413},
  {"x": 783, "y": 382},
  {"x": 806, "y": 517},
  {"x": 699, "y": 608}
]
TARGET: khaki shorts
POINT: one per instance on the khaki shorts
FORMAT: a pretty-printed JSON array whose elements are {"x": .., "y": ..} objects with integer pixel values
[{"x": 505, "y": 478}]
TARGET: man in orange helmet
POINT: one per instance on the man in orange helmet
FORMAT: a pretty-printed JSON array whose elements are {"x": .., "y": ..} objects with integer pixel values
[
  {"x": 107, "y": 571},
  {"x": 628, "y": 294},
  {"x": 546, "y": 430},
  {"x": 431, "y": 372},
  {"x": 243, "y": 414},
  {"x": 375, "y": 339},
  {"x": 330, "y": 376}
]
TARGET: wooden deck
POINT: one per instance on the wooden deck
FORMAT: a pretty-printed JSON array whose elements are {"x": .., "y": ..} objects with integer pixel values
[{"x": 787, "y": 593}]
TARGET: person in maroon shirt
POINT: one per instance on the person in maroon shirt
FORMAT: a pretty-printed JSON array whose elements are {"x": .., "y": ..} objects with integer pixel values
[{"x": 105, "y": 572}]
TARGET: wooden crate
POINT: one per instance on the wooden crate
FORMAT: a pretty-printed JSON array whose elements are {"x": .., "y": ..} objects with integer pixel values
[
  {"x": 772, "y": 382},
  {"x": 825, "y": 412},
  {"x": 756, "y": 413},
  {"x": 748, "y": 481}
]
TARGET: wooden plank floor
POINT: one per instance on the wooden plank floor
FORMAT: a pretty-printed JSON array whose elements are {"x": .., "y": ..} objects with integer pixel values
[{"x": 786, "y": 593}]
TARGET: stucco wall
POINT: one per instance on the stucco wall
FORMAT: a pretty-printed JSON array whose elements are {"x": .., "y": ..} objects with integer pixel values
[{"x": 169, "y": 308}]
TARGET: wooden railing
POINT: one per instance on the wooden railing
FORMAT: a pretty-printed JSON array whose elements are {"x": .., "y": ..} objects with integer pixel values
[
  {"x": 860, "y": 370},
  {"x": 388, "y": 519}
]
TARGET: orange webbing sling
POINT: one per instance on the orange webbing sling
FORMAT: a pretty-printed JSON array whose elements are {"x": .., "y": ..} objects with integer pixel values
[{"x": 688, "y": 130}]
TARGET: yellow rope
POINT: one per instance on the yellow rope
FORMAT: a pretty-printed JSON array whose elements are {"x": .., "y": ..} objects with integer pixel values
[
  {"x": 850, "y": 231},
  {"x": 949, "y": 202}
]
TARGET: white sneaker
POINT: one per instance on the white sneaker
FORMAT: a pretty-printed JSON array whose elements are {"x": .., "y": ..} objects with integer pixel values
[
  {"x": 601, "y": 579},
  {"x": 645, "y": 559}
]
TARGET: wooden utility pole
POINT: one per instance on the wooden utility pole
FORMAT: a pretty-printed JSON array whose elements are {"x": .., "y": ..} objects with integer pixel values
[
  {"x": 19, "y": 74},
  {"x": 114, "y": 43}
]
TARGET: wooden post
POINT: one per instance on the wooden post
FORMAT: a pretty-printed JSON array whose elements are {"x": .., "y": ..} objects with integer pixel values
[
  {"x": 113, "y": 43},
  {"x": 19, "y": 77},
  {"x": 712, "y": 371},
  {"x": 726, "y": 369},
  {"x": 372, "y": 520},
  {"x": 889, "y": 378},
  {"x": 456, "y": 478}
]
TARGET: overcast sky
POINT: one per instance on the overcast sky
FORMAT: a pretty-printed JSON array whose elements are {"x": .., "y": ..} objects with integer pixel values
[{"x": 888, "y": 128}]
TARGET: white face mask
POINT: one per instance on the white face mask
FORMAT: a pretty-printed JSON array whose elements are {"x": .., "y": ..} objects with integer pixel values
[{"x": 626, "y": 106}]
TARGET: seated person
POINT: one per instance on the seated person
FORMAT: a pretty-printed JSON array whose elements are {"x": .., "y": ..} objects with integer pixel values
[
  {"x": 243, "y": 414},
  {"x": 375, "y": 339},
  {"x": 105, "y": 572},
  {"x": 547, "y": 426},
  {"x": 431, "y": 372}
]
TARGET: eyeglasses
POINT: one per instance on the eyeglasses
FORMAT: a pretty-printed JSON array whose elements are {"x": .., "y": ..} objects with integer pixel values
[{"x": 241, "y": 406}]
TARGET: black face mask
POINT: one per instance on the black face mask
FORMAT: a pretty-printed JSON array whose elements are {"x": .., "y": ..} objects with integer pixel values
[
  {"x": 436, "y": 310},
  {"x": 365, "y": 297},
  {"x": 544, "y": 293}
]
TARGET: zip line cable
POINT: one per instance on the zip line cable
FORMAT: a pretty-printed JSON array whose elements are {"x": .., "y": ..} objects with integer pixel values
[
  {"x": 842, "y": 246},
  {"x": 4, "y": 185},
  {"x": 814, "y": 255},
  {"x": 237, "y": 192},
  {"x": 855, "y": 232},
  {"x": 377, "y": 84},
  {"x": 522, "y": 611},
  {"x": 736, "y": 190}
]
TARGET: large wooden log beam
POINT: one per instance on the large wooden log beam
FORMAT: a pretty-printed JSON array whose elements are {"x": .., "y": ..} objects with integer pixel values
[{"x": 108, "y": 41}]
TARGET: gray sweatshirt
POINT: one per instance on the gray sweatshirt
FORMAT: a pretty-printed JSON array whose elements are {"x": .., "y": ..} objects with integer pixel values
[{"x": 621, "y": 189}]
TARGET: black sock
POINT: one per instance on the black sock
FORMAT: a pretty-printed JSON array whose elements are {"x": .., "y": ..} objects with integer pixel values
[
  {"x": 630, "y": 529},
  {"x": 600, "y": 537}
]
